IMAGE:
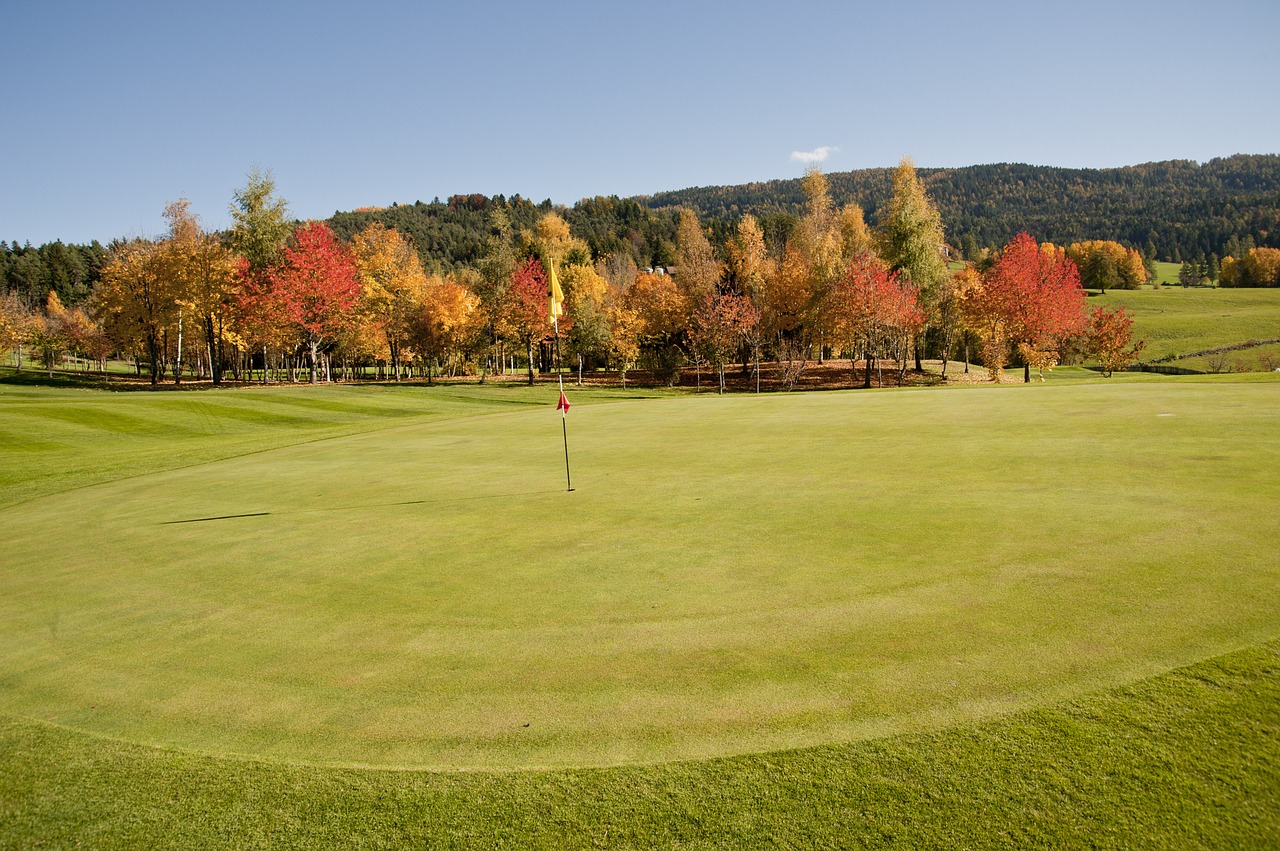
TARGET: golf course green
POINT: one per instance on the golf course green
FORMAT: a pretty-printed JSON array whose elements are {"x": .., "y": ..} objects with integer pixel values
[{"x": 400, "y": 579}]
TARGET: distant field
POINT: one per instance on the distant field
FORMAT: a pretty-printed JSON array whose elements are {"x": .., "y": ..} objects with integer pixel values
[
  {"x": 1174, "y": 320},
  {"x": 1167, "y": 273}
]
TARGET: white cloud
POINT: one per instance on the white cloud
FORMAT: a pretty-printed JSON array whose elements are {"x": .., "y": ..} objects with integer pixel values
[{"x": 817, "y": 155}]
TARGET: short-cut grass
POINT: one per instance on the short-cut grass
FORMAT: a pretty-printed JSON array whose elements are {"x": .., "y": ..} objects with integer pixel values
[{"x": 396, "y": 578}]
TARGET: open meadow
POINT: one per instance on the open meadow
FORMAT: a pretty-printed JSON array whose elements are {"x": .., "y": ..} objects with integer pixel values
[
  {"x": 1178, "y": 323},
  {"x": 377, "y": 610}
]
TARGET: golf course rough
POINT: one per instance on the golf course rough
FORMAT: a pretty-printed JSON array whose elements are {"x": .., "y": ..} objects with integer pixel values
[{"x": 731, "y": 575}]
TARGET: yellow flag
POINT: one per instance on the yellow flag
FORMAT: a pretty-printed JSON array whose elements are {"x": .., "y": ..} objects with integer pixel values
[{"x": 556, "y": 307}]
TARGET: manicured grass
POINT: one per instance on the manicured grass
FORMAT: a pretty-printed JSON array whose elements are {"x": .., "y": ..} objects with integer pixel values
[
  {"x": 1180, "y": 321},
  {"x": 731, "y": 575},
  {"x": 408, "y": 586},
  {"x": 1188, "y": 759},
  {"x": 55, "y": 438}
]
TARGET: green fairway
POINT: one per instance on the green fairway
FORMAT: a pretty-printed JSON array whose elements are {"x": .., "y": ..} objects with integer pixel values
[{"x": 731, "y": 575}]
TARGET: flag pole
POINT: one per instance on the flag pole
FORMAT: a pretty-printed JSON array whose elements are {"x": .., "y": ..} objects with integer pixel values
[
  {"x": 563, "y": 403},
  {"x": 564, "y": 417}
]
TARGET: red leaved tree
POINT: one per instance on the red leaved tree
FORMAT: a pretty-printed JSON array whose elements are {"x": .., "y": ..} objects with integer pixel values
[
  {"x": 317, "y": 286},
  {"x": 525, "y": 307},
  {"x": 869, "y": 306},
  {"x": 1110, "y": 334},
  {"x": 1030, "y": 299}
]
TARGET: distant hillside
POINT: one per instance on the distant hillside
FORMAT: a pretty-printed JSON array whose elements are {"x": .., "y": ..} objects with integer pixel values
[
  {"x": 1182, "y": 208},
  {"x": 1176, "y": 210}
]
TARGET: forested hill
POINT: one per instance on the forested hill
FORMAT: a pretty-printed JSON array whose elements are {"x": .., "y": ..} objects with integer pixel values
[
  {"x": 1175, "y": 210},
  {"x": 1182, "y": 208}
]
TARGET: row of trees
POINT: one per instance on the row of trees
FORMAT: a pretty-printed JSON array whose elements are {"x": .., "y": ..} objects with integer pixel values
[
  {"x": 1176, "y": 211},
  {"x": 1259, "y": 267},
  {"x": 274, "y": 298}
]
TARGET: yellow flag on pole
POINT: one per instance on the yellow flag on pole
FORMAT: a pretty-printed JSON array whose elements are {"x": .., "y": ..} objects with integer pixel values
[{"x": 556, "y": 307}]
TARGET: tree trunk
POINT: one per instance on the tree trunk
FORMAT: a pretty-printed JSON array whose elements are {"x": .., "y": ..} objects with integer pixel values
[
  {"x": 315, "y": 344},
  {"x": 757, "y": 353},
  {"x": 1026, "y": 372},
  {"x": 177, "y": 364},
  {"x": 153, "y": 349},
  {"x": 866, "y": 379},
  {"x": 215, "y": 364},
  {"x": 529, "y": 348}
]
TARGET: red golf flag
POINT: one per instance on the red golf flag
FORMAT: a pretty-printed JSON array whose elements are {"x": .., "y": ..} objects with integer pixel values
[{"x": 563, "y": 404}]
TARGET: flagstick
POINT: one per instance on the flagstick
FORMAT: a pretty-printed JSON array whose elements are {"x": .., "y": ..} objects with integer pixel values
[{"x": 564, "y": 415}]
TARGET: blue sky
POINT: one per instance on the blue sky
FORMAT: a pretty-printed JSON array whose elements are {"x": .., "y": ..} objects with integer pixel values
[{"x": 113, "y": 109}]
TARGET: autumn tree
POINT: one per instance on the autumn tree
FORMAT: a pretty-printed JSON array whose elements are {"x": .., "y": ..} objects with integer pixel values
[
  {"x": 721, "y": 325},
  {"x": 855, "y": 237},
  {"x": 1104, "y": 264},
  {"x": 393, "y": 285},
  {"x": 446, "y": 321},
  {"x": 818, "y": 236},
  {"x": 135, "y": 300},
  {"x": 587, "y": 301},
  {"x": 206, "y": 280},
  {"x": 552, "y": 241},
  {"x": 618, "y": 270},
  {"x": 80, "y": 336},
  {"x": 1110, "y": 339},
  {"x": 260, "y": 316},
  {"x": 317, "y": 284},
  {"x": 260, "y": 221},
  {"x": 786, "y": 309},
  {"x": 626, "y": 330},
  {"x": 662, "y": 312},
  {"x": 497, "y": 266},
  {"x": 869, "y": 306},
  {"x": 47, "y": 332},
  {"x": 526, "y": 307},
  {"x": 1229, "y": 272},
  {"x": 1030, "y": 299},
  {"x": 15, "y": 325},
  {"x": 1261, "y": 268},
  {"x": 952, "y": 315},
  {"x": 912, "y": 240},
  {"x": 697, "y": 271},
  {"x": 749, "y": 270}
]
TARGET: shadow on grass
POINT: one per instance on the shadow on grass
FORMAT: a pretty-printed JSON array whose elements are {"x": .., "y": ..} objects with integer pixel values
[{"x": 367, "y": 507}]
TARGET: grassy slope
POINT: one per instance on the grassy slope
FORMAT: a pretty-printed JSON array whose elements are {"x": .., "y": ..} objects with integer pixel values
[
  {"x": 1179, "y": 321},
  {"x": 1206, "y": 738},
  {"x": 1167, "y": 273},
  {"x": 69, "y": 436}
]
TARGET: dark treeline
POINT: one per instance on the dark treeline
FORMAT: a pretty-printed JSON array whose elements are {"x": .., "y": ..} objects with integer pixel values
[
  {"x": 1173, "y": 211},
  {"x": 453, "y": 235},
  {"x": 32, "y": 273}
]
